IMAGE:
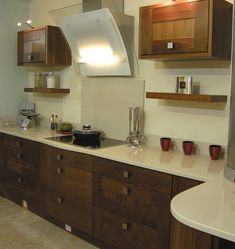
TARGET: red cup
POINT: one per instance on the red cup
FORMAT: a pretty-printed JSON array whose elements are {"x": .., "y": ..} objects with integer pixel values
[
  {"x": 215, "y": 151},
  {"x": 166, "y": 143},
  {"x": 188, "y": 147}
]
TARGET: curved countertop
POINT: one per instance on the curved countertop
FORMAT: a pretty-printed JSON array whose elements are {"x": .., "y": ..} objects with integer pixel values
[{"x": 209, "y": 207}]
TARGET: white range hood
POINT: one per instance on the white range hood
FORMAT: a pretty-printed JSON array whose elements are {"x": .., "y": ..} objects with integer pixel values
[{"x": 101, "y": 42}]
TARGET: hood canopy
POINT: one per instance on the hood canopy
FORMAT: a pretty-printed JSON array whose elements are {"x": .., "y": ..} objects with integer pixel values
[{"x": 100, "y": 41}]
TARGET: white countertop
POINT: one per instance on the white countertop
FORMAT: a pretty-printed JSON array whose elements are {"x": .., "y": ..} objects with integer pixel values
[
  {"x": 198, "y": 167},
  {"x": 209, "y": 207}
]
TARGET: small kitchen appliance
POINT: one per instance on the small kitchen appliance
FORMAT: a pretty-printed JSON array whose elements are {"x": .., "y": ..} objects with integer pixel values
[{"x": 27, "y": 115}]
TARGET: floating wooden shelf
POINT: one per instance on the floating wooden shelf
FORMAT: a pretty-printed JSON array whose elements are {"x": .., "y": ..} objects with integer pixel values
[
  {"x": 47, "y": 90},
  {"x": 187, "y": 97}
]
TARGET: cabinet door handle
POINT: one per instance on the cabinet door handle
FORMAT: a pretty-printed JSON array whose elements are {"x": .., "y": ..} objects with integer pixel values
[
  {"x": 19, "y": 180},
  {"x": 30, "y": 57},
  {"x": 126, "y": 174},
  {"x": 18, "y": 155},
  {"x": 125, "y": 191},
  {"x": 60, "y": 200},
  {"x": 170, "y": 45},
  {"x": 124, "y": 226},
  {"x": 18, "y": 144},
  {"x": 59, "y": 171},
  {"x": 59, "y": 157}
]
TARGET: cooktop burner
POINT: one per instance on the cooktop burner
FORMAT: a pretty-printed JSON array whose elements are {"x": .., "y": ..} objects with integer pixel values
[{"x": 100, "y": 143}]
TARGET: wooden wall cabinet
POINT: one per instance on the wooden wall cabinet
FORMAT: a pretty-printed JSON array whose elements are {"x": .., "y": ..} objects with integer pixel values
[
  {"x": 175, "y": 30},
  {"x": 43, "y": 46}
]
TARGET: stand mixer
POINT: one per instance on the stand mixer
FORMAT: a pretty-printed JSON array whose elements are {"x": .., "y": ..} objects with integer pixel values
[{"x": 135, "y": 138}]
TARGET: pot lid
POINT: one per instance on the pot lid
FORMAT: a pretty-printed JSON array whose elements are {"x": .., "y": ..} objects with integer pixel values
[{"x": 86, "y": 129}]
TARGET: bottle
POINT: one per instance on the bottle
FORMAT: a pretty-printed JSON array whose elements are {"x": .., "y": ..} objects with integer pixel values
[
  {"x": 52, "y": 122},
  {"x": 56, "y": 122},
  {"x": 50, "y": 80},
  {"x": 36, "y": 80}
]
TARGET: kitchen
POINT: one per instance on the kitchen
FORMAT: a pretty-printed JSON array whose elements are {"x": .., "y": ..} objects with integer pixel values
[{"x": 198, "y": 122}]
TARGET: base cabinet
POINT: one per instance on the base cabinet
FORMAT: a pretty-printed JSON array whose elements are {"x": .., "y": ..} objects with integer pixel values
[
  {"x": 184, "y": 237},
  {"x": 131, "y": 206},
  {"x": 108, "y": 203},
  {"x": 21, "y": 173},
  {"x": 67, "y": 188},
  {"x": 1, "y": 164},
  {"x": 116, "y": 231}
]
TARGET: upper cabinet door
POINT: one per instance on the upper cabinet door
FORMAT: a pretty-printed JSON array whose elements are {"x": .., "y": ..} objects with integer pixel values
[
  {"x": 43, "y": 46},
  {"x": 183, "y": 29}
]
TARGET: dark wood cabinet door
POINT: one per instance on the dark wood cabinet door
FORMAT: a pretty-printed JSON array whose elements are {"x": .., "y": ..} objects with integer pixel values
[
  {"x": 76, "y": 214},
  {"x": 22, "y": 183},
  {"x": 137, "y": 203},
  {"x": 23, "y": 199},
  {"x": 184, "y": 237},
  {"x": 118, "y": 232},
  {"x": 68, "y": 173},
  {"x": 22, "y": 155},
  {"x": 2, "y": 163},
  {"x": 71, "y": 182},
  {"x": 177, "y": 30},
  {"x": 137, "y": 176},
  {"x": 174, "y": 28}
]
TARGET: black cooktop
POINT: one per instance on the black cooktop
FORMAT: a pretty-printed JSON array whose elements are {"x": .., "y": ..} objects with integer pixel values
[{"x": 100, "y": 143}]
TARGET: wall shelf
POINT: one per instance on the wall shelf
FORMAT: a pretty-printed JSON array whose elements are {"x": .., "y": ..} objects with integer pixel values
[
  {"x": 187, "y": 97},
  {"x": 47, "y": 90}
]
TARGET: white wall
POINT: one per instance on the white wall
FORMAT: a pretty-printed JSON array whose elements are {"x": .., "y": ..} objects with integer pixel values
[
  {"x": 198, "y": 122},
  {"x": 12, "y": 77}
]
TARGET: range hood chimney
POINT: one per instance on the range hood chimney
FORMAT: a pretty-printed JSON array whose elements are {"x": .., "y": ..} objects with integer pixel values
[{"x": 101, "y": 38}]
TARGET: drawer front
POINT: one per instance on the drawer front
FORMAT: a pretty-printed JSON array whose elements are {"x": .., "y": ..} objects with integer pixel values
[
  {"x": 140, "y": 204},
  {"x": 23, "y": 199},
  {"x": 21, "y": 183},
  {"x": 76, "y": 214},
  {"x": 142, "y": 177},
  {"x": 118, "y": 232},
  {"x": 23, "y": 162},
  {"x": 63, "y": 158},
  {"x": 72, "y": 182},
  {"x": 20, "y": 143}
]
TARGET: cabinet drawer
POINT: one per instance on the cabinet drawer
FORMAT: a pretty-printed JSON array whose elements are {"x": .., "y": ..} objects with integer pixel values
[
  {"x": 140, "y": 204},
  {"x": 23, "y": 199},
  {"x": 72, "y": 182},
  {"x": 20, "y": 143},
  {"x": 21, "y": 182},
  {"x": 118, "y": 232},
  {"x": 63, "y": 158},
  {"x": 21, "y": 161},
  {"x": 76, "y": 214},
  {"x": 142, "y": 177}
]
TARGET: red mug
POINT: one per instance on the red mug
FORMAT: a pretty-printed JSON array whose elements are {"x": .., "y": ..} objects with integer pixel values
[
  {"x": 188, "y": 147},
  {"x": 215, "y": 151},
  {"x": 166, "y": 143}
]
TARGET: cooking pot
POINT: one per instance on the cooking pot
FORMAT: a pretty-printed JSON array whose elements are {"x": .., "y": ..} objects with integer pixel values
[{"x": 87, "y": 136}]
